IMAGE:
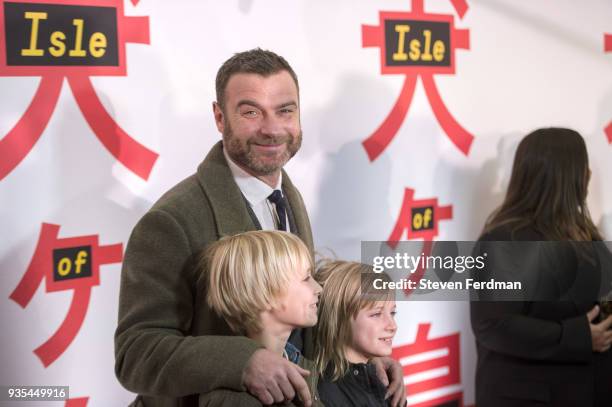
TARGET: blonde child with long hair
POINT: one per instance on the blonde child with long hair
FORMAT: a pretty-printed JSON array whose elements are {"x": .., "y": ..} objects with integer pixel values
[{"x": 356, "y": 323}]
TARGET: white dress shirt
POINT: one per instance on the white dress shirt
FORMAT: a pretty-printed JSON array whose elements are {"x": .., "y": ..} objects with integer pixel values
[{"x": 256, "y": 193}]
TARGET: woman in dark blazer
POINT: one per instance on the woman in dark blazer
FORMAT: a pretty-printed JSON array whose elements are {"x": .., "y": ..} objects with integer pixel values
[{"x": 554, "y": 352}]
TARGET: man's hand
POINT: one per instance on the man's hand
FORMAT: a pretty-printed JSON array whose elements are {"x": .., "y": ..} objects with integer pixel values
[
  {"x": 389, "y": 372},
  {"x": 273, "y": 379},
  {"x": 601, "y": 335}
]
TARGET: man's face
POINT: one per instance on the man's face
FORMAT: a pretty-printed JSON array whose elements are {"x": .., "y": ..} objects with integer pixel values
[{"x": 261, "y": 121}]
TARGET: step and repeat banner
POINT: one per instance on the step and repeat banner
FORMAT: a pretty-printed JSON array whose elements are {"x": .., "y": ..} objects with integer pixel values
[{"x": 411, "y": 112}]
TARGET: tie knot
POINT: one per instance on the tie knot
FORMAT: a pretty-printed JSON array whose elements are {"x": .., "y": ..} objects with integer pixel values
[{"x": 276, "y": 197}]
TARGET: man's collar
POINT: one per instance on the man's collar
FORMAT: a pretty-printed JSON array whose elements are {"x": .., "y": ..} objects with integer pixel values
[{"x": 253, "y": 189}]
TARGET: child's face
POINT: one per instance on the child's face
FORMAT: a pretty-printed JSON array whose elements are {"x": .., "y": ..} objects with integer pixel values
[
  {"x": 297, "y": 307},
  {"x": 372, "y": 330}
]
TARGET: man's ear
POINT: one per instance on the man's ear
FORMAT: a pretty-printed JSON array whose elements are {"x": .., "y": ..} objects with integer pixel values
[{"x": 219, "y": 117}]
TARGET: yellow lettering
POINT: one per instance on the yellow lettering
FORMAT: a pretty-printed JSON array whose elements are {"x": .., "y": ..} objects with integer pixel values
[
  {"x": 80, "y": 260},
  {"x": 427, "y": 48},
  {"x": 97, "y": 45},
  {"x": 438, "y": 50},
  {"x": 417, "y": 221},
  {"x": 400, "y": 55},
  {"x": 427, "y": 217},
  {"x": 64, "y": 266},
  {"x": 33, "y": 51},
  {"x": 415, "y": 49},
  {"x": 57, "y": 41},
  {"x": 78, "y": 51}
]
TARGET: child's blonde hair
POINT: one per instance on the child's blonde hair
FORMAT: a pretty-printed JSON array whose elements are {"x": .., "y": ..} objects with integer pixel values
[
  {"x": 247, "y": 272},
  {"x": 347, "y": 289}
]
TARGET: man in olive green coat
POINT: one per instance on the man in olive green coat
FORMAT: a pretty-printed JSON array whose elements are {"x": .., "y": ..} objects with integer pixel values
[{"x": 169, "y": 346}]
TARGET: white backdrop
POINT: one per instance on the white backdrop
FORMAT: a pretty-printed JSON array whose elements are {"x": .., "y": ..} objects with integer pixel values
[{"x": 530, "y": 64}]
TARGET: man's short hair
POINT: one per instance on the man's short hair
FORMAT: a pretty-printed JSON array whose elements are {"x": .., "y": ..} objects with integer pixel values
[
  {"x": 248, "y": 272},
  {"x": 257, "y": 61}
]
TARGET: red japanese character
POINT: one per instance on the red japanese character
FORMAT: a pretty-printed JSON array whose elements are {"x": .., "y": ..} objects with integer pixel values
[
  {"x": 418, "y": 58},
  {"x": 64, "y": 264},
  {"x": 438, "y": 358},
  {"x": 79, "y": 402},
  {"x": 608, "y": 48},
  {"x": 419, "y": 218},
  {"x": 32, "y": 59}
]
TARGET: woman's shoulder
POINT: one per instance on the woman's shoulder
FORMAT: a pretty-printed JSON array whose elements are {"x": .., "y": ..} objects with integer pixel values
[{"x": 512, "y": 232}]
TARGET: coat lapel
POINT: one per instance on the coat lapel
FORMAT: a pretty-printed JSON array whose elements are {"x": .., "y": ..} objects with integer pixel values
[
  {"x": 226, "y": 200},
  {"x": 228, "y": 205},
  {"x": 298, "y": 210}
]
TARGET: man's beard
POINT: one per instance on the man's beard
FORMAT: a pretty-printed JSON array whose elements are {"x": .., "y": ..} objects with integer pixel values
[{"x": 242, "y": 153}]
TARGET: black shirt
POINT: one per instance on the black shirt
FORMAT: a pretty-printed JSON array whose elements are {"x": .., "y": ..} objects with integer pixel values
[{"x": 359, "y": 387}]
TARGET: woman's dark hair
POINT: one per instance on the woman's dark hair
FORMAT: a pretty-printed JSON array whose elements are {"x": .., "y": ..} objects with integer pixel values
[{"x": 548, "y": 187}]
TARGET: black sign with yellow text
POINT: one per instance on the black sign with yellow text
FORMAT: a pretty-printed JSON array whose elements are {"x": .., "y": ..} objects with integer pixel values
[
  {"x": 59, "y": 35},
  {"x": 422, "y": 218},
  {"x": 71, "y": 262},
  {"x": 417, "y": 43}
]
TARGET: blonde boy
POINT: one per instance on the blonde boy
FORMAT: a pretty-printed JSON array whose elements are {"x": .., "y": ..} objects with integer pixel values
[{"x": 261, "y": 283}]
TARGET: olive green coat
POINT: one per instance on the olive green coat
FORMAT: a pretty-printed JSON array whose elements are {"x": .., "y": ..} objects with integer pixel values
[
  {"x": 230, "y": 398},
  {"x": 169, "y": 345}
]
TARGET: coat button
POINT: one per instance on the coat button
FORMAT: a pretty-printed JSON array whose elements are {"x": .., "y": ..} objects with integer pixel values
[{"x": 355, "y": 372}]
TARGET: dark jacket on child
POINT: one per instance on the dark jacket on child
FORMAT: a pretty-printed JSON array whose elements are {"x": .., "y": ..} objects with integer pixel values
[{"x": 359, "y": 387}]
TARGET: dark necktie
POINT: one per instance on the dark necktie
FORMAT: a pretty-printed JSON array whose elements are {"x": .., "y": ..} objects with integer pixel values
[{"x": 279, "y": 202}]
